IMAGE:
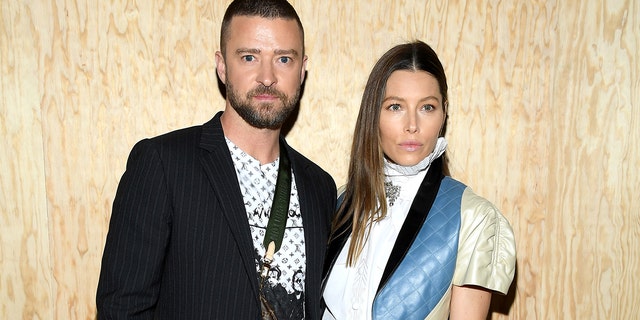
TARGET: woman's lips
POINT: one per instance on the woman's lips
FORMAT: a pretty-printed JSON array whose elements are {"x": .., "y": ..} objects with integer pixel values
[{"x": 410, "y": 145}]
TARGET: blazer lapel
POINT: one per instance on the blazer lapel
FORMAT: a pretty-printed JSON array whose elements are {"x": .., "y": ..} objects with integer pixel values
[
  {"x": 217, "y": 163},
  {"x": 415, "y": 219},
  {"x": 310, "y": 217},
  {"x": 315, "y": 221}
]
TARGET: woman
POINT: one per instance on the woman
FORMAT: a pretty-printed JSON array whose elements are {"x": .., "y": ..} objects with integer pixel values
[{"x": 409, "y": 242}]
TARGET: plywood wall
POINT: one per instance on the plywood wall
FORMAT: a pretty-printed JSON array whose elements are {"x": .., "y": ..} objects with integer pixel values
[{"x": 544, "y": 122}]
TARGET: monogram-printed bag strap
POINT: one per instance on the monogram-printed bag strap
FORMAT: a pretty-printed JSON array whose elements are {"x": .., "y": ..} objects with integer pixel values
[{"x": 276, "y": 226}]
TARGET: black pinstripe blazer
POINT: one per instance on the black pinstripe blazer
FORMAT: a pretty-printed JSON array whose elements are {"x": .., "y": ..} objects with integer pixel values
[{"x": 179, "y": 245}]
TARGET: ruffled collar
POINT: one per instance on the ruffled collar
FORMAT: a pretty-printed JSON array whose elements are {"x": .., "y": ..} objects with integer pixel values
[{"x": 394, "y": 169}]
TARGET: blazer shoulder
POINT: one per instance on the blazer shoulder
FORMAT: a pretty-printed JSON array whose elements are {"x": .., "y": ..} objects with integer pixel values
[
  {"x": 301, "y": 161},
  {"x": 180, "y": 136},
  {"x": 171, "y": 145}
]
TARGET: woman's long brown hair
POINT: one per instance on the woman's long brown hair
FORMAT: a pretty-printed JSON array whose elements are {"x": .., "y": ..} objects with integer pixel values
[{"x": 364, "y": 196}]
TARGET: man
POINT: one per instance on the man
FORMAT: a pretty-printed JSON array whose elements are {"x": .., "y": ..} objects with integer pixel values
[{"x": 186, "y": 233}]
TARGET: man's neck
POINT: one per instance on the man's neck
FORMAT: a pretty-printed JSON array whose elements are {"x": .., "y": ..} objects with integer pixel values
[{"x": 261, "y": 144}]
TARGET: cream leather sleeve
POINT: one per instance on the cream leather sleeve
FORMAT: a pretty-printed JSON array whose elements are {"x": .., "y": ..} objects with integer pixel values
[{"x": 486, "y": 248}]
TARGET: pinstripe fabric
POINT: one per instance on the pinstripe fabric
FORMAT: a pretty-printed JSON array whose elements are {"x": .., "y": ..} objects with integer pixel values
[{"x": 179, "y": 245}]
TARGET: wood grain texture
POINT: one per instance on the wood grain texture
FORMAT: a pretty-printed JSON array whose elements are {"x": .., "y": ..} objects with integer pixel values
[
  {"x": 594, "y": 171},
  {"x": 544, "y": 122},
  {"x": 25, "y": 239}
]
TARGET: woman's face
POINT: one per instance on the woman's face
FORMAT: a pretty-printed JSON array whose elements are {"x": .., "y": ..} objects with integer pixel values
[{"x": 411, "y": 117}]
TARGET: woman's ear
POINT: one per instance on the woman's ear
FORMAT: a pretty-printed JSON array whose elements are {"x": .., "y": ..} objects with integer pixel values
[{"x": 443, "y": 128}]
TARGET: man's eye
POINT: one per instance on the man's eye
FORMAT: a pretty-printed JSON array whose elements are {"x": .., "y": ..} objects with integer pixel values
[
  {"x": 284, "y": 59},
  {"x": 248, "y": 58}
]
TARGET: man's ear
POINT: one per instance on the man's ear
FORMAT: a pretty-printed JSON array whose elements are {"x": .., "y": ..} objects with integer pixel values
[
  {"x": 221, "y": 67},
  {"x": 303, "y": 72}
]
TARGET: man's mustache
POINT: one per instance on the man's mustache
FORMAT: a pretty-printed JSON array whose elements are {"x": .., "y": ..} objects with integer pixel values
[{"x": 266, "y": 90}]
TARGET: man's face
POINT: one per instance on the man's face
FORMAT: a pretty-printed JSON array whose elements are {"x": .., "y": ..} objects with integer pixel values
[{"x": 263, "y": 68}]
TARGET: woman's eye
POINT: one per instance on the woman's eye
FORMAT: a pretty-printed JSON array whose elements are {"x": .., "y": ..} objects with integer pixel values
[
  {"x": 394, "y": 107},
  {"x": 428, "y": 107}
]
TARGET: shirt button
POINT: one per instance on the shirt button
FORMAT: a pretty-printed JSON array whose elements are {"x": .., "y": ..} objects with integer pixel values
[{"x": 355, "y": 306}]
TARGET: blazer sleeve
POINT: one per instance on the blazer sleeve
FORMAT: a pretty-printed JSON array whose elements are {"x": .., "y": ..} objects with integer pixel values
[
  {"x": 486, "y": 249},
  {"x": 138, "y": 235}
]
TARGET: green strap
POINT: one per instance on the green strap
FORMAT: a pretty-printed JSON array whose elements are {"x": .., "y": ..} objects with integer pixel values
[{"x": 280, "y": 205}]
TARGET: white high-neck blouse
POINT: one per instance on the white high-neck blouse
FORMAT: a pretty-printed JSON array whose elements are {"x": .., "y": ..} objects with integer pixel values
[{"x": 350, "y": 290}]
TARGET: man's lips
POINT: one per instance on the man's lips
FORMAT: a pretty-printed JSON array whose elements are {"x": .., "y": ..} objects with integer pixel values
[{"x": 265, "y": 97}]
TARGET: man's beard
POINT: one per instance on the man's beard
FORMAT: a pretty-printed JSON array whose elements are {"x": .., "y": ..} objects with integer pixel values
[{"x": 263, "y": 115}]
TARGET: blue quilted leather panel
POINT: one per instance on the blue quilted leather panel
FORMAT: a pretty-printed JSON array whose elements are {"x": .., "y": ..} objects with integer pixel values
[{"x": 424, "y": 275}]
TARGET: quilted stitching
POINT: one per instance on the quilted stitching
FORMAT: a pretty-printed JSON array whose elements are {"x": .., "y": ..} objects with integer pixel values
[{"x": 425, "y": 273}]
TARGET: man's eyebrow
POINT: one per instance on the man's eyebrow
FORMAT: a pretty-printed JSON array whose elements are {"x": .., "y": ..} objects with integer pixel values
[
  {"x": 278, "y": 52},
  {"x": 247, "y": 50},
  {"x": 289, "y": 52}
]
